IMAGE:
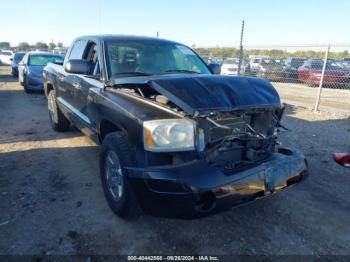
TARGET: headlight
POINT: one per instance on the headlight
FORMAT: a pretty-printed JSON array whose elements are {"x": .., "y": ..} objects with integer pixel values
[{"x": 168, "y": 135}]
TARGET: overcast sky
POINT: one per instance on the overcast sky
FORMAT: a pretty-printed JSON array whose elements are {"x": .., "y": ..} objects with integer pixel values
[{"x": 203, "y": 23}]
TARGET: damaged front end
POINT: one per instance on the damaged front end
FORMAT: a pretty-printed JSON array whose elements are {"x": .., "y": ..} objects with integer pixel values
[
  {"x": 235, "y": 156},
  {"x": 232, "y": 141}
]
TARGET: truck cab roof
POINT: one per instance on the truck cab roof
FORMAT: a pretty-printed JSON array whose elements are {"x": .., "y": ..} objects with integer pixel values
[{"x": 111, "y": 37}]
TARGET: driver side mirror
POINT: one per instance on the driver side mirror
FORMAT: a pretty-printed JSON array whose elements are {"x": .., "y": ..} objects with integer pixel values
[
  {"x": 78, "y": 66},
  {"x": 215, "y": 69}
]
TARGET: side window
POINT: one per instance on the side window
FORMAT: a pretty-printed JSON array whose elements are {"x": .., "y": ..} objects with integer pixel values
[
  {"x": 91, "y": 54},
  {"x": 77, "y": 49}
]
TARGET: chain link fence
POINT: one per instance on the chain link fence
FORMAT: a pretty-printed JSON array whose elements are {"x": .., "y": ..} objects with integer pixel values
[{"x": 314, "y": 76}]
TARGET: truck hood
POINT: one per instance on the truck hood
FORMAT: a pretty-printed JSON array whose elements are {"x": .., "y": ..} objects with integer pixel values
[{"x": 200, "y": 93}]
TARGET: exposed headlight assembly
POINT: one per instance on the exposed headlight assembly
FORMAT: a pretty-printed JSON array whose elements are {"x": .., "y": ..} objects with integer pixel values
[{"x": 169, "y": 135}]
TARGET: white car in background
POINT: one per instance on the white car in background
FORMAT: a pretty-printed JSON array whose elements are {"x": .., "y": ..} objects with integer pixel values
[
  {"x": 6, "y": 57},
  {"x": 230, "y": 66},
  {"x": 255, "y": 62}
]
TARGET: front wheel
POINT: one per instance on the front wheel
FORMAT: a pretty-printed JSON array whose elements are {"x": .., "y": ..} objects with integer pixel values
[
  {"x": 58, "y": 121},
  {"x": 116, "y": 154},
  {"x": 25, "y": 85}
]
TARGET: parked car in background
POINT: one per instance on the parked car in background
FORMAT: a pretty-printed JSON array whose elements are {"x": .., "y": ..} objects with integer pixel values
[
  {"x": 176, "y": 140},
  {"x": 60, "y": 51},
  {"x": 291, "y": 66},
  {"x": 230, "y": 66},
  {"x": 344, "y": 63},
  {"x": 255, "y": 61},
  {"x": 271, "y": 69},
  {"x": 216, "y": 60},
  {"x": 16, "y": 58},
  {"x": 311, "y": 71},
  {"x": 30, "y": 69},
  {"x": 5, "y": 57}
]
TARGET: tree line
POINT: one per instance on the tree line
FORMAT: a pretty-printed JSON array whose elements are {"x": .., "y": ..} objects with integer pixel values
[
  {"x": 25, "y": 46},
  {"x": 274, "y": 53},
  {"x": 212, "y": 51}
]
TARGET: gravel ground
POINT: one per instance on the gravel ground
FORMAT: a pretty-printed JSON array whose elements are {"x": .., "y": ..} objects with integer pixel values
[{"x": 51, "y": 200}]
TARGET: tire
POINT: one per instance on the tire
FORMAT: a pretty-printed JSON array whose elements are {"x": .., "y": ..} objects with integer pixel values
[
  {"x": 58, "y": 121},
  {"x": 25, "y": 86},
  {"x": 116, "y": 153}
]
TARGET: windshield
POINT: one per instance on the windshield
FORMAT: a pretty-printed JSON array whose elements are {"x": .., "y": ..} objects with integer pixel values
[
  {"x": 151, "y": 58},
  {"x": 18, "y": 57},
  {"x": 43, "y": 60}
]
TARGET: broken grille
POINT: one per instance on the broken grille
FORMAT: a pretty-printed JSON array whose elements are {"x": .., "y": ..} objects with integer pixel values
[{"x": 237, "y": 125}]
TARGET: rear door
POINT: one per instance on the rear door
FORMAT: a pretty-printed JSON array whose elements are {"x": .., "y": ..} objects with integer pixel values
[
  {"x": 68, "y": 83},
  {"x": 89, "y": 85}
]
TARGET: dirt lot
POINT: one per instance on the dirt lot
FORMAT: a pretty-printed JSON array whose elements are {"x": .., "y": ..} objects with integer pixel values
[
  {"x": 332, "y": 101},
  {"x": 51, "y": 200}
]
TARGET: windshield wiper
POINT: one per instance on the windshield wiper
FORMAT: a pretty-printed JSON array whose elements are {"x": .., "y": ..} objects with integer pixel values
[
  {"x": 181, "y": 71},
  {"x": 137, "y": 73}
]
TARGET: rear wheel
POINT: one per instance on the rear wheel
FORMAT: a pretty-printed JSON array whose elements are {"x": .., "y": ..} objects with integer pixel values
[
  {"x": 58, "y": 121},
  {"x": 116, "y": 153}
]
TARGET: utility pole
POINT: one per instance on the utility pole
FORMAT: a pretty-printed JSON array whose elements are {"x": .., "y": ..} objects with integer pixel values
[{"x": 241, "y": 50}]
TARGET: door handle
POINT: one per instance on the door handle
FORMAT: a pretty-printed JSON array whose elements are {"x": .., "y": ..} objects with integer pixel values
[{"x": 76, "y": 85}]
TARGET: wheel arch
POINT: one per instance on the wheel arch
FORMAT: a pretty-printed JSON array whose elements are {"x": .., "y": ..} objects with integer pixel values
[
  {"x": 108, "y": 126},
  {"x": 48, "y": 87}
]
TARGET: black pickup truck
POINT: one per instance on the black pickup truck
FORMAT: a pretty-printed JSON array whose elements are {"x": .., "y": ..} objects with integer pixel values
[{"x": 177, "y": 139}]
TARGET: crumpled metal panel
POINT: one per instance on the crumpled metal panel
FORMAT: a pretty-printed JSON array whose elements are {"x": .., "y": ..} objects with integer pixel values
[{"x": 208, "y": 92}]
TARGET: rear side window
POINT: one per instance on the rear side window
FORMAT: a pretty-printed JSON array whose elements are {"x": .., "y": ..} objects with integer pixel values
[{"x": 78, "y": 50}]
